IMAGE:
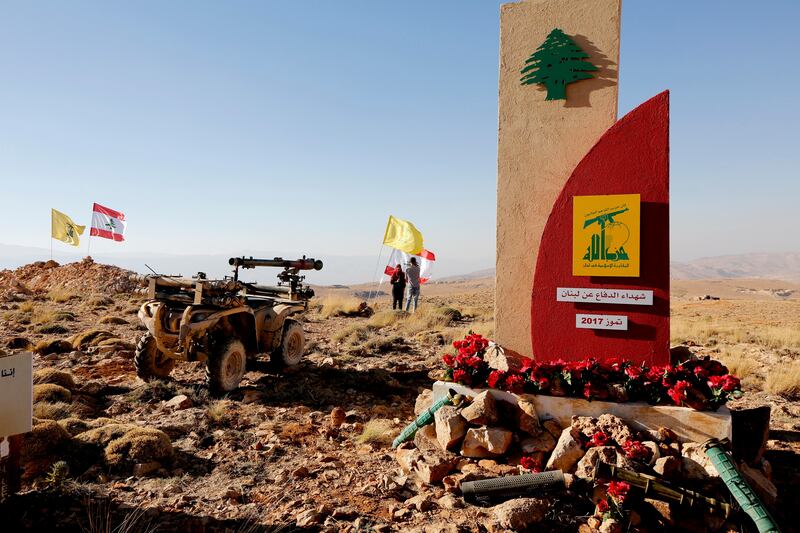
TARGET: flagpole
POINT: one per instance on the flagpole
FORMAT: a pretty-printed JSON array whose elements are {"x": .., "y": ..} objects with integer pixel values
[
  {"x": 51, "y": 248},
  {"x": 375, "y": 274}
]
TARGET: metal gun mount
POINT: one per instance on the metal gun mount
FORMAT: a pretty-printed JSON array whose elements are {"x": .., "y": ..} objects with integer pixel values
[{"x": 290, "y": 275}]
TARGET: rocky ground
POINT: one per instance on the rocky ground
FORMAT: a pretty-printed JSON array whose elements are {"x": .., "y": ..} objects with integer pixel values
[{"x": 303, "y": 449}]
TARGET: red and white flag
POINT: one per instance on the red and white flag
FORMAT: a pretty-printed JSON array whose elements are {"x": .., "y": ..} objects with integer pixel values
[
  {"x": 107, "y": 223},
  {"x": 425, "y": 260}
]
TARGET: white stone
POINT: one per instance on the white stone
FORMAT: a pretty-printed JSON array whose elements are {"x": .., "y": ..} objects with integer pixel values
[{"x": 567, "y": 453}]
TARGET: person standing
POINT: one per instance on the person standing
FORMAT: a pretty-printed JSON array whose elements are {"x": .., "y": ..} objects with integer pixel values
[
  {"x": 398, "y": 282},
  {"x": 412, "y": 275}
]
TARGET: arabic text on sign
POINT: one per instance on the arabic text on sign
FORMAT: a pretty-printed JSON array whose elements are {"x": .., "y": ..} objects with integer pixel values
[
  {"x": 604, "y": 296},
  {"x": 615, "y": 322}
]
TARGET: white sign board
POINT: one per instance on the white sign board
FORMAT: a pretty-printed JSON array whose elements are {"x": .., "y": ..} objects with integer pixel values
[
  {"x": 16, "y": 394},
  {"x": 604, "y": 296},
  {"x": 617, "y": 322}
]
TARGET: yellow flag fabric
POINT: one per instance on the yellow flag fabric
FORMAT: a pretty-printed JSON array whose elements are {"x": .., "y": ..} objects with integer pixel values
[
  {"x": 64, "y": 229},
  {"x": 402, "y": 235}
]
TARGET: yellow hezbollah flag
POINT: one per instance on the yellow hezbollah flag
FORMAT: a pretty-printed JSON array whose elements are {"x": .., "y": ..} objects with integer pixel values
[
  {"x": 402, "y": 235},
  {"x": 64, "y": 229}
]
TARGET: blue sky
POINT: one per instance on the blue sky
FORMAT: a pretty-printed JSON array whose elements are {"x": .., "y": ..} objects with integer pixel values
[{"x": 232, "y": 126}]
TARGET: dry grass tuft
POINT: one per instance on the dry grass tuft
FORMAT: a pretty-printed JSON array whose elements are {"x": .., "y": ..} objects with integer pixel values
[
  {"x": 51, "y": 411},
  {"x": 140, "y": 445},
  {"x": 91, "y": 337},
  {"x": 55, "y": 377},
  {"x": 49, "y": 392},
  {"x": 429, "y": 318},
  {"x": 385, "y": 318},
  {"x": 219, "y": 412},
  {"x": 113, "y": 320},
  {"x": 46, "y": 347},
  {"x": 784, "y": 380},
  {"x": 52, "y": 329},
  {"x": 738, "y": 362},
  {"x": 339, "y": 305},
  {"x": 61, "y": 295},
  {"x": 352, "y": 335},
  {"x": 74, "y": 426},
  {"x": 26, "y": 307},
  {"x": 378, "y": 431}
]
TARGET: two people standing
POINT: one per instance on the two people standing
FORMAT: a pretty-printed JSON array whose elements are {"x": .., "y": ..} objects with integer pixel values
[{"x": 399, "y": 281}]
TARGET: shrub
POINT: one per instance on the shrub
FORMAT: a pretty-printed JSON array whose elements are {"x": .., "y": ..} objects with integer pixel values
[
  {"x": 50, "y": 392},
  {"x": 57, "y": 346},
  {"x": 52, "y": 329},
  {"x": 100, "y": 301},
  {"x": 58, "y": 475},
  {"x": 91, "y": 337},
  {"x": 74, "y": 426},
  {"x": 113, "y": 320},
  {"x": 140, "y": 445},
  {"x": 51, "y": 411},
  {"x": 55, "y": 377}
]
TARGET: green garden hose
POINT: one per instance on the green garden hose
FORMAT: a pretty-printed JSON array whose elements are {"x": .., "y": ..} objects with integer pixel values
[
  {"x": 425, "y": 418},
  {"x": 739, "y": 487}
]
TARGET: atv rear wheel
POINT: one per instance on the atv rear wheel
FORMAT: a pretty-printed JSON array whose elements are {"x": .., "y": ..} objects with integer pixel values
[
  {"x": 293, "y": 344},
  {"x": 225, "y": 368},
  {"x": 150, "y": 362}
]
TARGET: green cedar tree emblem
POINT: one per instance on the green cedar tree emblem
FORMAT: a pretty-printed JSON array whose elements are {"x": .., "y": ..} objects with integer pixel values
[{"x": 556, "y": 63}]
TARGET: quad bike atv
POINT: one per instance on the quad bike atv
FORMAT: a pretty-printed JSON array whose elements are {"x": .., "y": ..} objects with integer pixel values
[{"x": 223, "y": 322}]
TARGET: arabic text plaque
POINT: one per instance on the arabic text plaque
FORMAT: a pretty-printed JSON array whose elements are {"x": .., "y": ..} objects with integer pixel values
[
  {"x": 604, "y": 296},
  {"x": 16, "y": 394},
  {"x": 616, "y": 322}
]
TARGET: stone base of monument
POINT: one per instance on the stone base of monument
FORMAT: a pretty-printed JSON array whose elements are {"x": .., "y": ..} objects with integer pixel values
[{"x": 688, "y": 424}]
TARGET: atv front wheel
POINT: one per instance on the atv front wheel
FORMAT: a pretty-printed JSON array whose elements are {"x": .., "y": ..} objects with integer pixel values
[
  {"x": 293, "y": 344},
  {"x": 150, "y": 362},
  {"x": 225, "y": 368}
]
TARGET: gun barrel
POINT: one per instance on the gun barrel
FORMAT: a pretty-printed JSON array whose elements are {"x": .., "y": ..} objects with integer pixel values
[{"x": 299, "y": 264}]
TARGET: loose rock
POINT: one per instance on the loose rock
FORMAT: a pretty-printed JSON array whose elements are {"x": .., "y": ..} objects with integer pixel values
[
  {"x": 450, "y": 427},
  {"x": 486, "y": 442},
  {"x": 567, "y": 452},
  {"x": 520, "y": 513},
  {"x": 482, "y": 411}
]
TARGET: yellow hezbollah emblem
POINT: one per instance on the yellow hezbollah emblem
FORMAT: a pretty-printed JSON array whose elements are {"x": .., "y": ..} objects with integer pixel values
[
  {"x": 605, "y": 235},
  {"x": 64, "y": 229}
]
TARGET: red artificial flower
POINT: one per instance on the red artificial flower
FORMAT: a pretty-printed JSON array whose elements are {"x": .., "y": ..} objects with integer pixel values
[
  {"x": 602, "y": 506},
  {"x": 527, "y": 364},
  {"x": 633, "y": 371},
  {"x": 598, "y": 439},
  {"x": 530, "y": 463},
  {"x": 636, "y": 450},
  {"x": 730, "y": 383},
  {"x": 515, "y": 383},
  {"x": 700, "y": 372},
  {"x": 460, "y": 376},
  {"x": 474, "y": 362},
  {"x": 542, "y": 383},
  {"x": 618, "y": 490},
  {"x": 495, "y": 378},
  {"x": 678, "y": 391},
  {"x": 449, "y": 359}
]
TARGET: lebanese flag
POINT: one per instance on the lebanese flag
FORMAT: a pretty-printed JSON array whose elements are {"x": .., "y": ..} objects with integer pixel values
[
  {"x": 425, "y": 260},
  {"x": 107, "y": 223}
]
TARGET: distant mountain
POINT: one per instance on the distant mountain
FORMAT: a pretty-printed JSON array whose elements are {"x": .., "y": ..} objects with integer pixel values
[
  {"x": 785, "y": 266},
  {"x": 782, "y": 266}
]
